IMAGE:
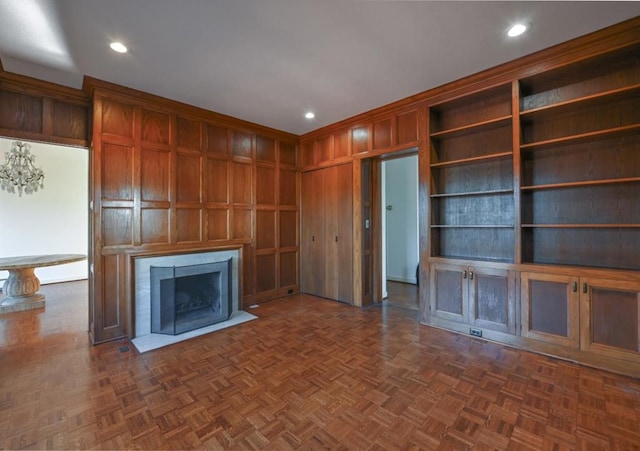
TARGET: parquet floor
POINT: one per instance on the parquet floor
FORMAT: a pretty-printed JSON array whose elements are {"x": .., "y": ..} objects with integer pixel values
[
  {"x": 403, "y": 295},
  {"x": 308, "y": 374}
]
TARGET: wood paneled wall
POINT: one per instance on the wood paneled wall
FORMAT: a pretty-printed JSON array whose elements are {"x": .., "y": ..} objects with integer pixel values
[
  {"x": 171, "y": 178},
  {"x": 35, "y": 110}
]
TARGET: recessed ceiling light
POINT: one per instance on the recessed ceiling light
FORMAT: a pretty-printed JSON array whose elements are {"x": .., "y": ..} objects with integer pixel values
[
  {"x": 119, "y": 47},
  {"x": 517, "y": 30},
  {"x": 309, "y": 115}
]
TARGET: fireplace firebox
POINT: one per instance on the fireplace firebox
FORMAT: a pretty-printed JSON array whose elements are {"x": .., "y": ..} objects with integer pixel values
[{"x": 185, "y": 298}]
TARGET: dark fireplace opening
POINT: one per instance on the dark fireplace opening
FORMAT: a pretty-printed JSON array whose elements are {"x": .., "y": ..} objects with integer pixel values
[{"x": 185, "y": 298}]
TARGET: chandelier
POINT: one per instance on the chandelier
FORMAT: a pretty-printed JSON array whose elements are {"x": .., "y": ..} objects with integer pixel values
[{"x": 18, "y": 173}]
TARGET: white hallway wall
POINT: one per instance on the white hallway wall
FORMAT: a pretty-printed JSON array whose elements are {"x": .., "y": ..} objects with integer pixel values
[
  {"x": 401, "y": 193},
  {"x": 52, "y": 220}
]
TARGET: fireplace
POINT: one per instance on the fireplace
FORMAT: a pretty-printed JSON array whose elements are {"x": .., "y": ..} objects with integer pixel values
[{"x": 188, "y": 297}]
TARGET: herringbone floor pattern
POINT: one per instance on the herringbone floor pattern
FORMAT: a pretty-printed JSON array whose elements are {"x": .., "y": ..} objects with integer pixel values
[{"x": 309, "y": 374}]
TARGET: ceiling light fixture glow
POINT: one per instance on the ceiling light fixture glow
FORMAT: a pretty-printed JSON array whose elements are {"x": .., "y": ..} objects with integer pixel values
[
  {"x": 309, "y": 115},
  {"x": 119, "y": 47},
  {"x": 517, "y": 30}
]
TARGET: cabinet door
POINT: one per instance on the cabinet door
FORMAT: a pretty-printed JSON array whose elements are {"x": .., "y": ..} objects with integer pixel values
[
  {"x": 341, "y": 239},
  {"x": 610, "y": 317},
  {"x": 550, "y": 310},
  {"x": 313, "y": 233},
  {"x": 492, "y": 299},
  {"x": 449, "y": 292}
]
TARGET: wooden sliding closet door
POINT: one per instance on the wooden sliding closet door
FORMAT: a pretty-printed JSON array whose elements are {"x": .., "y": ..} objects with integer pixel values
[{"x": 327, "y": 243}]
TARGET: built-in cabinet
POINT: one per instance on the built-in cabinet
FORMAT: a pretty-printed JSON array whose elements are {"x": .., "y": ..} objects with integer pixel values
[{"x": 326, "y": 233}]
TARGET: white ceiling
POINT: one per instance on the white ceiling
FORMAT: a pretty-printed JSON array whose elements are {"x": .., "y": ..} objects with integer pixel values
[{"x": 269, "y": 61}]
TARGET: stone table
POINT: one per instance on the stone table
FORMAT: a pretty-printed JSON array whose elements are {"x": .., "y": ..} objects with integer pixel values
[{"x": 21, "y": 288}]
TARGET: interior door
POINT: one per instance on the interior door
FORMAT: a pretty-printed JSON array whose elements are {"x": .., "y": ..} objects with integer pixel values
[{"x": 313, "y": 233}]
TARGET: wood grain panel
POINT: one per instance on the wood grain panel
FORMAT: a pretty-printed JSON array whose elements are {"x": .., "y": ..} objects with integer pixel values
[
  {"x": 155, "y": 127},
  {"x": 449, "y": 292},
  {"x": 288, "y": 269},
  {"x": 265, "y": 229},
  {"x": 242, "y": 183},
  {"x": 111, "y": 289},
  {"x": 265, "y": 273},
  {"x": 287, "y": 192},
  {"x": 154, "y": 177},
  {"x": 307, "y": 152},
  {"x": 20, "y": 111},
  {"x": 117, "y": 226},
  {"x": 242, "y": 223},
  {"x": 341, "y": 147},
  {"x": 265, "y": 149},
  {"x": 288, "y": 228},
  {"x": 117, "y": 118},
  {"x": 407, "y": 127},
  {"x": 217, "y": 181},
  {"x": 382, "y": 131},
  {"x": 217, "y": 224},
  {"x": 614, "y": 318},
  {"x": 241, "y": 144},
  {"x": 154, "y": 225},
  {"x": 188, "y": 222},
  {"x": 265, "y": 185},
  {"x": 359, "y": 139},
  {"x": 217, "y": 140},
  {"x": 248, "y": 286},
  {"x": 188, "y": 175},
  {"x": 287, "y": 153},
  {"x": 324, "y": 149},
  {"x": 188, "y": 133},
  {"x": 69, "y": 120},
  {"x": 117, "y": 172}
]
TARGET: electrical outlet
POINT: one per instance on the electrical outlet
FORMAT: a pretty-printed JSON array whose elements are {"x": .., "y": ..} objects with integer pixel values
[{"x": 475, "y": 332}]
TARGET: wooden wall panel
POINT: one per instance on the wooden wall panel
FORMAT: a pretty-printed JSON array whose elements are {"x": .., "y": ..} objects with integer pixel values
[
  {"x": 241, "y": 144},
  {"x": 266, "y": 272},
  {"x": 288, "y": 269},
  {"x": 117, "y": 226},
  {"x": 242, "y": 224},
  {"x": 341, "y": 146},
  {"x": 188, "y": 173},
  {"x": 287, "y": 192},
  {"x": 407, "y": 127},
  {"x": 265, "y": 149},
  {"x": 265, "y": 185},
  {"x": 265, "y": 229},
  {"x": 217, "y": 140},
  {"x": 20, "y": 111},
  {"x": 111, "y": 288},
  {"x": 154, "y": 178},
  {"x": 188, "y": 133},
  {"x": 217, "y": 224},
  {"x": 70, "y": 120},
  {"x": 324, "y": 149},
  {"x": 117, "y": 118},
  {"x": 217, "y": 181},
  {"x": 117, "y": 173},
  {"x": 360, "y": 139},
  {"x": 287, "y": 154},
  {"x": 382, "y": 133},
  {"x": 189, "y": 223},
  {"x": 154, "y": 224},
  {"x": 248, "y": 285},
  {"x": 288, "y": 228},
  {"x": 242, "y": 183},
  {"x": 155, "y": 127}
]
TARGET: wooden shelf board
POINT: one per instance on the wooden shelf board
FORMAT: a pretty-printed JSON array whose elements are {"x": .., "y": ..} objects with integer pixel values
[
  {"x": 581, "y": 183},
  {"x": 493, "y": 156},
  {"x": 472, "y": 226},
  {"x": 581, "y": 226},
  {"x": 474, "y": 193},
  {"x": 593, "y": 99},
  {"x": 627, "y": 129},
  {"x": 474, "y": 128}
]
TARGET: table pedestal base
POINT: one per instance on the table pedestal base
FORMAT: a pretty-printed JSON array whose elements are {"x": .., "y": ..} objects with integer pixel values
[{"x": 21, "y": 291}]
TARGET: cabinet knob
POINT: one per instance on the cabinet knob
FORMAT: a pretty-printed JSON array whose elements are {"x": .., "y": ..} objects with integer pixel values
[
  {"x": 584, "y": 288},
  {"x": 471, "y": 275},
  {"x": 464, "y": 274},
  {"x": 574, "y": 287},
  {"x": 336, "y": 238},
  {"x": 313, "y": 237}
]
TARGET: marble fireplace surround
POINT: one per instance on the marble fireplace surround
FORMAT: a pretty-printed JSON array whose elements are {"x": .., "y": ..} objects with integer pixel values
[{"x": 144, "y": 340}]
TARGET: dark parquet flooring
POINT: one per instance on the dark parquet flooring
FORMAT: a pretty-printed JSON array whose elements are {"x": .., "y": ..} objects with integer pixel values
[
  {"x": 402, "y": 295},
  {"x": 308, "y": 374}
]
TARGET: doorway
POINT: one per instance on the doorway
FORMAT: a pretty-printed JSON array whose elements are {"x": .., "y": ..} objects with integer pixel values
[{"x": 399, "y": 230}]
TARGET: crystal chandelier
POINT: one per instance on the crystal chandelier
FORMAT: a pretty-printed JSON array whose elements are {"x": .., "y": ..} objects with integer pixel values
[{"x": 18, "y": 173}]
